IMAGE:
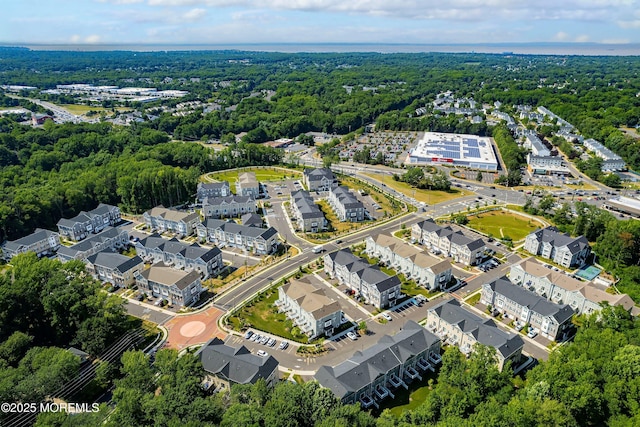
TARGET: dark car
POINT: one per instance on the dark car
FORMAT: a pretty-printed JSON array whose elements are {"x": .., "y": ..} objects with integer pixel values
[{"x": 338, "y": 241}]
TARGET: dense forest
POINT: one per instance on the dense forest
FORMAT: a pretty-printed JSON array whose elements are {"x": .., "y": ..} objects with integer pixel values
[{"x": 592, "y": 381}]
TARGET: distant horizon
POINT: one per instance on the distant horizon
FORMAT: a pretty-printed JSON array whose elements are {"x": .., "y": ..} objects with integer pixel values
[{"x": 516, "y": 48}]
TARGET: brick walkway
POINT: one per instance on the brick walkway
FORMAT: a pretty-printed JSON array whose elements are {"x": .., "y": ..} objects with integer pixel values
[{"x": 198, "y": 328}]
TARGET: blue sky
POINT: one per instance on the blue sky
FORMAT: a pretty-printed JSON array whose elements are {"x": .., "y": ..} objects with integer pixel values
[{"x": 318, "y": 21}]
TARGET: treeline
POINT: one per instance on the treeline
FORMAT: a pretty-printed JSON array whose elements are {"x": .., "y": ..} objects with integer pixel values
[
  {"x": 592, "y": 381},
  {"x": 56, "y": 171},
  {"x": 513, "y": 156},
  {"x": 46, "y": 306}
]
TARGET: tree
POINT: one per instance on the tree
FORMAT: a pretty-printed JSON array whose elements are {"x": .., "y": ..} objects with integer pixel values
[{"x": 479, "y": 176}]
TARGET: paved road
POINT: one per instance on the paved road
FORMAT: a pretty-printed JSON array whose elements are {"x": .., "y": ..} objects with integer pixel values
[{"x": 147, "y": 312}]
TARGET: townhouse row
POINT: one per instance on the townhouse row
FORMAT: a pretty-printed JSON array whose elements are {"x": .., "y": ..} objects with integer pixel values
[{"x": 455, "y": 244}]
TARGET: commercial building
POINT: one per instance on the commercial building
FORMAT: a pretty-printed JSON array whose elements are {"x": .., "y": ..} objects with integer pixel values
[
  {"x": 42, "y": 242},
  {"x": 86, "y": 223},
  {"x": 226, "y": 365},
  {"x": 260, "y": 241},
  {"x": 455, "y": 244},
  {"x": 367, "y": 281},
  {"x": 309, "y": 217},
  {"x": 552, "y": 320},
  {"x": 560, "y": 288},
  {"x": 228, "y": 207},
  {"x": 415, "y": 264},
  {"x": 109, "y": 239},
  {"x": 374, "y": 373},
  {"x": 561, "y": 248},
  {"x": 345, "y": 204},
  {"x": 319, "y": 179},
  {"x": 247, "y": 185},
  {"x": 455, "y": 149},
  {"x": 310, "y": 307},
  {"x": 457, "y": 326},
  {"x": 206, "y": 261},
  {"x": 627, "y": 205},
  {"x": 162, "y": 219},
  {"x": 178, "y": 287},
  {"x": 546, "y": 165},
  {"x": 112, "y": 267}
]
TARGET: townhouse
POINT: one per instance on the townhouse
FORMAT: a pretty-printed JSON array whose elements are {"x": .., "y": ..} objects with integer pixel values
[
  {"x": 374, "y": 373},
  {"x": 178, "y": 287},
  {"x": 206, "y": 261},
  {"x": 552, "y": 320},
  {"x": 310, "y": 307},
  {"x": 42, "y": 242},
  {"x": 252, "y": 220},
  {"x": 111, "y": 239},
  {"x": 112, "y": 267},
  {"x": 457, "y": 326},
  {"x": 424, "y": 269},
  {"x": 372, "y": 285},
  {"x": 560, "y": 288},
  {"x": 345, "y": 204},
  {"x": 228, "y": 207},
  {"x": 611, "y": 162},
  {"x": 309, "y": 217},
  {"x": 162, "y": 219},
  {"x": 226, "y": 365},
  {"x": 561, "y": 248},
  {"x": 86, "y": 223},
  {"x": 260, "y": 241},
  {"x": 321, "y": 179},
  {"x": 212, "y": 189},
  {"x": 463, "y": 249},
  {"x": 247, "y": 185}
]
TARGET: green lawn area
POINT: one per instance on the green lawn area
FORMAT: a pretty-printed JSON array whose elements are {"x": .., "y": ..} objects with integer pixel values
[
  {"x": 473, "y": 299},
  {"x": 427, "y": 196},
  {"x": 83, "y": 109},
  {"x": 262, "y": 315},
  {"x": 500, "y": 224},
  {"x": 407, "y": 399},
  {"x": 389, "y": 206},
  {"x": 262, "y": 175}
]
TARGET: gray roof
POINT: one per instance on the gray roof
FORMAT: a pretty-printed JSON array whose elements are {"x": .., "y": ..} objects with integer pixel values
[
  {"x": 235, "y": 228},
  {"x": 365, "y": 366},
  {"x": 456, "y": 237},
  {"x": 461, "y": 240},
  {"x": 554, "y": 237},
  {"x": 212, "y": 185},
  {"x": 429, "y": 225},
  {"x": 533, "y": 301},
  {"x": 174, "y": 246},
  {"x": 38, "y": 235},
  {"x": 368, "y": 273},
  {"x": 304, "y": 203},
  {"x": 251, "y": 219},
  {"x": 235, "y": 364},
  {"x": 168, "y": 276},
  {"x": 83, "y": 217},
  {"x": 114, "y": 261},
  {"x": 95, "y": 239},
  {"x": 228, "y": 200},
  {"x": 346, "y": 198},
  {"x": 485, "y": 331},
  {"x": 318, "y": 174}
]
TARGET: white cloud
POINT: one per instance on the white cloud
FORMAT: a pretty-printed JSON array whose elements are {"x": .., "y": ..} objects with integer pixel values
[
  {"x": 94, "y": 38},
  {"x": 561, "y": 36},
  {"x": 194, "y": 14}
]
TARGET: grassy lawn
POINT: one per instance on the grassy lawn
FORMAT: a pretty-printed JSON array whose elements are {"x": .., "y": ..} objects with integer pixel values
[
  {"x": 338, "y": 226},
  {"x": 84, "y": 109},
  {"x": 501, "y": 224},
  {"x": 407, "y": 399},
  {"x": 391, "y": 207},
  {"x": 473, "y": 299},
  {"x": 582, "y": 187},
  {"x": 262, "y": 175},
  {"x": 427, "y": 196},
  {"x": 262, "y": 315}
]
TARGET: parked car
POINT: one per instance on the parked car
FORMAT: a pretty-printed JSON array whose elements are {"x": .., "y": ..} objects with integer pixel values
[
  {"x": 352, "y": 336},
  {"x": 283, "y": 345},
  {"x": 387, "y": 316},
  {"x": 247, "y": 335},
  {"x": 264, "y": 340},
  {"x": 518, "y": 325},
  {"x": 256, "y": 337},
  {"x": 533, "y": 332},
  {"x": 271, "y": 342},
  {"x": 262, "y": 353}
]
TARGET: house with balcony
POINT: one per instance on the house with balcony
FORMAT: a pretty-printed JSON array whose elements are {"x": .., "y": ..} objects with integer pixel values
[
  {"x": 310, "y": 307},
  {"x": 178, "y": 287},
  {"x": 110, "y": 239},
  {"x": 375, "y": 373},
  {"x": 183, "y": 256},
  {"x": 259, "y": 241},
  {"x": 212, "y": 190},
  {"x": 228, "y": 207},
  {"x": 345, "y": 204},
  {"x": 426, "y": 270},
  {"x": 114, "y": 268},
  {"x": 457, "y": 245},
  {"x": 42, "y": 242},
  {"x": 561, "y": 248},
  {"x": 226, "y": 365},
  {"x": 309, "y": 218},
  {"x": 321, "y": 179},
  {"x": 369, "y": 283},
  {"x": 91, "y": 222},
  {"x": 560, "y": 288},
  {"x": 455, "y": 325},
  {"x": 161, "y": 219},
  {"x": 247, "y": 185},
  {"x": 552, "y": 320}
]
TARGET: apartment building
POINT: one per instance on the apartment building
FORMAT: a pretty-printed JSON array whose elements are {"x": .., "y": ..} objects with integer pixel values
[
  {"x": 42, "y": 242},
  {"x": 162, "y": 219},
  {"x": 91, "y": 222},
  {"x": 560, "y": 288},
  {"x": 260, "y": 241},
  {"x": 345, "y": 204},
  {"x": 561, "y": 248},
  {"x": 424, "y": 269},
  {"x": 178, "y": 287},
  {"x": 112, "y": 267},
  {"x": 319, "y": 179},
  {"x": 247, "y": 185},
  {"x": 228, "y": 207},
  {"x": 457, "y": 326},
  {"x": 109, "y": 239},
  {"x": 552, "y": 320},
  {"x": 463, "y": 249},
  {"x": 372, "y": 285},
  {"x": 308, "y": 216},
  {"x": 212, "y": 189},
  {"x": 611, "y": 162}
]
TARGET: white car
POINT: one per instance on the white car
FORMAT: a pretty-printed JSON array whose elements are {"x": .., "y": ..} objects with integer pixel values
[
  {"x": 261, "y": 353},
  {"x": 387, "y": 316},
  {"x": 352, "y": 336},
  {"x": 532, "y": 333}
]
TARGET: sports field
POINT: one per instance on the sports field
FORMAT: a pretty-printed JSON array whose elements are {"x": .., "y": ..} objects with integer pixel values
[{"x": 500, "y": 224}]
